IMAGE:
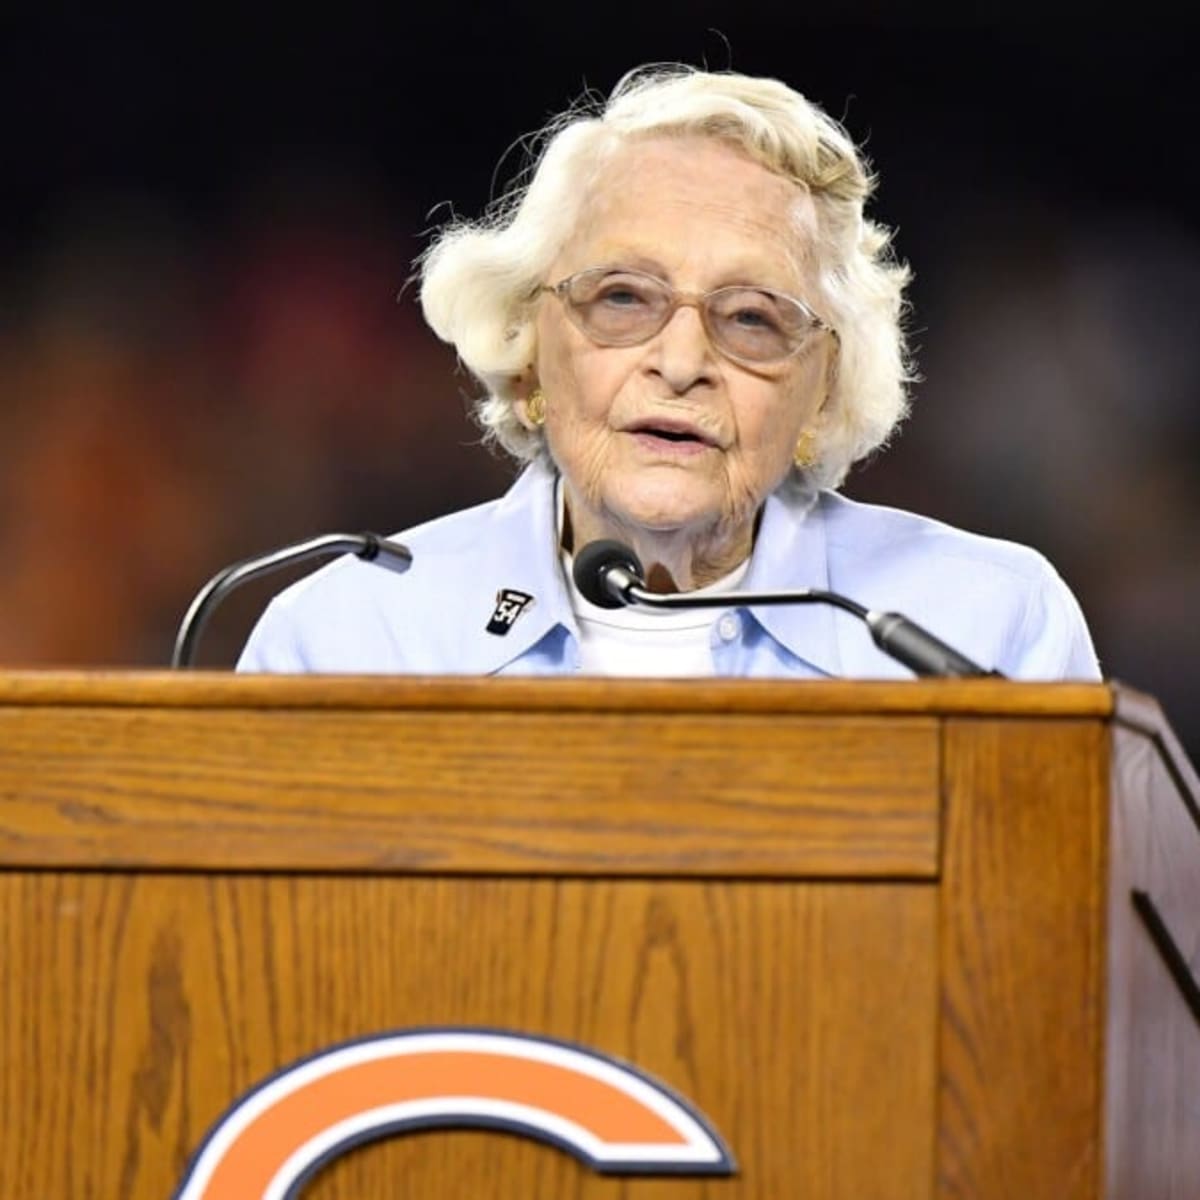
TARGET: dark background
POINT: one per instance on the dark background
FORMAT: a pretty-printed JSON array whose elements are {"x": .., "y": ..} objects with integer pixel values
[{"x": 206, "y": 225}]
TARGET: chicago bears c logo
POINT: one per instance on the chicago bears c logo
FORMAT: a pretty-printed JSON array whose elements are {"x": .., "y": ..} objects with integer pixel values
[{"x": 606, "y": 1113}]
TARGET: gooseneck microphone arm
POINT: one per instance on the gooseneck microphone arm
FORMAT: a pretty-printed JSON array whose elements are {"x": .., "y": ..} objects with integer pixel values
[
  {"x": 368, "y": 546},
  {"x": 610, "y": 575}
]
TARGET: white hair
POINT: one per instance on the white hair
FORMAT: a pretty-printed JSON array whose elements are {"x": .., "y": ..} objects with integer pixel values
[{"x": 478, "y": 277}]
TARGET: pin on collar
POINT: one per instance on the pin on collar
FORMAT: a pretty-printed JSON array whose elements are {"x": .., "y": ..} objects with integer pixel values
[{"x": 510, "y": 604}]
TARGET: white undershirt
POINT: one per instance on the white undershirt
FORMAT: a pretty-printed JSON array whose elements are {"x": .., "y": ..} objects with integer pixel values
[{"x": 649, "y": 643}]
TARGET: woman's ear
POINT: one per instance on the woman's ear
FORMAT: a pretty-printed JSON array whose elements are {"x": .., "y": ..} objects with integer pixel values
[
  {"x": 807, "y": 452},
  {"x": 525, "y": 393},
  {"x": 833, "y": 360}
]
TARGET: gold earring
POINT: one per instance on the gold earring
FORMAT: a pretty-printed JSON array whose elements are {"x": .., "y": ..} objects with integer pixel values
[
  {"x": 805, "y": 454},
  {"x": 535, "y": 407}
]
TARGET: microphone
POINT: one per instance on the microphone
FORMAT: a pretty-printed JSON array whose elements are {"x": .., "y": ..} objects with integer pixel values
[
  {"x": 609, "y": 575},
  {"x": 368, "y": 546}
]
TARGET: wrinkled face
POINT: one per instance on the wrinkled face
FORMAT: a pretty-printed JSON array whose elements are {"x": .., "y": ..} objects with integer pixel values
[{"x": 670, "y": 435}]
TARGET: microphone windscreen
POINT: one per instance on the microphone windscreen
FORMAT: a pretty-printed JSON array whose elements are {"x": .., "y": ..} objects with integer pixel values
[{"x": 593, "y": 563}]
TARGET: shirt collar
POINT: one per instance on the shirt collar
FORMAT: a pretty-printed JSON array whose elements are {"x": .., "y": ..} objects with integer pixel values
[
  {"x": 790, "y": 552},
  {"x": 520, "y": 554}
]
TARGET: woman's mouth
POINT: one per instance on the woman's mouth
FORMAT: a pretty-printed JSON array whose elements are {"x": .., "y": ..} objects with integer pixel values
[{"x": 671, "y": 438}]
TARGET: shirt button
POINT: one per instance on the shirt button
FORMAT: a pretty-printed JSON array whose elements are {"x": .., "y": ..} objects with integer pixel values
[{"x": 728, "y": 627}]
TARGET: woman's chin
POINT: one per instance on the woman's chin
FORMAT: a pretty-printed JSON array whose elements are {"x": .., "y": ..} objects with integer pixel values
[{"x": 666, "y": 510}]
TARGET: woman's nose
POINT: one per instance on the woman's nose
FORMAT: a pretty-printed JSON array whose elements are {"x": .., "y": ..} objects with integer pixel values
[{"x": 682, "y": 353}]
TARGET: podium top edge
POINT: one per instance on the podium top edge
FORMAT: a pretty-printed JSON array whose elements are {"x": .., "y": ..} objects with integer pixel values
[{"x": 216, "y": 690}]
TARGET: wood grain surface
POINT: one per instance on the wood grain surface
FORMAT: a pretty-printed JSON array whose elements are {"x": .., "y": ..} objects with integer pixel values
[
  {"x": 1153, "y": 1063},
  {"x": 477, "y": 791},
  {"x": 878, "y": 933},
  {"x": 1022, "y": 919},
  {"x": 799, "y": 1017},
  {"x": 220, "y": 689}
]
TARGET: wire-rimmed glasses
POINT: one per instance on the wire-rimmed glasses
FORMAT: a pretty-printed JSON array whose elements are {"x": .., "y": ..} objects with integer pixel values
[{"x": 617, "y": 306}]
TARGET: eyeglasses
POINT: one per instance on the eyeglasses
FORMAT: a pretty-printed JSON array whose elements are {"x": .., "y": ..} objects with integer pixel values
[{"x": 751, "y": 325}]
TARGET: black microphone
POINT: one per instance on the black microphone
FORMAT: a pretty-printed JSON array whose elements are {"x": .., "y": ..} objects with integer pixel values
[
  {"x": 609, "y": 575},
  {"x": 368, "y": 546}
]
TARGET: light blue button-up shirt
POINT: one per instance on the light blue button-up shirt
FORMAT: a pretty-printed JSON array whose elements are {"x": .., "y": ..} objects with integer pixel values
[{"x": 1001, "y": 604}]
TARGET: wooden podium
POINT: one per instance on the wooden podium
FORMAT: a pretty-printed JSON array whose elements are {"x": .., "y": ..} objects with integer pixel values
[{"x": 895, "y": 941}]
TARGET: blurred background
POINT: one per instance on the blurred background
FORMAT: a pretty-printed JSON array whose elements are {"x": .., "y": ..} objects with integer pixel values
[{"x": 205, "y": 229}]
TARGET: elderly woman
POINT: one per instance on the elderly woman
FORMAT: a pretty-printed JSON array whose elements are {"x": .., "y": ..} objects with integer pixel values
[{"x": 688, "y": 332}]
